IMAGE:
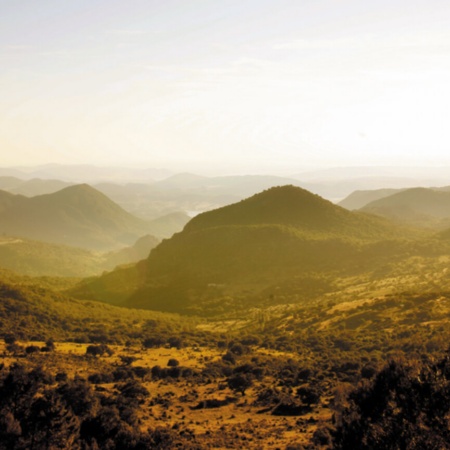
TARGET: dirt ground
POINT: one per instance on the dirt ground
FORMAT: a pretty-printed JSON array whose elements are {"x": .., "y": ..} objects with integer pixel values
[{"x": 180, "y": 404}]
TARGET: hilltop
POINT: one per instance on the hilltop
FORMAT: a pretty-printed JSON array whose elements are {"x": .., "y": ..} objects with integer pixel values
[
  {"x": 417, "y": 206},
  {"x": 359, "y": 199},
  {"x": 283, "y": 238},
  {"x": 295, "y": 207},
  {"x": 78, "y": 215}
]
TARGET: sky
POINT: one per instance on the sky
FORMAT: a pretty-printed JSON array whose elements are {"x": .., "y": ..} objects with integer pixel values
[{"x": 255, "y": 86}]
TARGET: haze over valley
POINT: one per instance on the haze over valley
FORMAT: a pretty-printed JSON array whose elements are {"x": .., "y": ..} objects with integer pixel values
[{"x": 224, "y": 225}]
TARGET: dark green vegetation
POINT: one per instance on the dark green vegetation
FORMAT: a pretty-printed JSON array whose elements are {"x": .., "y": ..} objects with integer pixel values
[
  {"x": 419, "y": 207},
  {"x": 285, "y": 241},
  {"x": 34, "y": 309},
  {"x": 77, "y": 215},
  {"x": 303, "y": 313},
  {"x": 151, "y": 199},
  {"x": 407, "y": 405},
  {"x": 37, "y": 258},
  {"x": 28, "y": 257},
  {"x": 359, "y": 199},
  {"x": 36, "y": 413}
]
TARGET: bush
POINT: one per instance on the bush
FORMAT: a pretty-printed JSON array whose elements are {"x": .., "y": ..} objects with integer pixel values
[
  {"x": 31, "y": 349},
  {"x": 240, "y": 382},
  {"x": 98, "y": 350},
  {"x": 404, "y": 406}
]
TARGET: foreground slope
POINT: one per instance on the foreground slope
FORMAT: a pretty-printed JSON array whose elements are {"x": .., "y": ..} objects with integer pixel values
[
  {"x": 35, "y": 309},
  {"x": 77, "y": 215},
  {"x": 38, "y": 258},
  {"x": 284, "y": 238}
]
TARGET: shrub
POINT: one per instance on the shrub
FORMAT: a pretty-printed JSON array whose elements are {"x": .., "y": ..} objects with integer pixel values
[{"x": 403, "y": 406}]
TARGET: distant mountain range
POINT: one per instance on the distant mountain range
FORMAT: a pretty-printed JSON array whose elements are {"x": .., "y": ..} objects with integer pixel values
[
  {"x": 78, "y": 173},
  {"x": 38, "y": 258},
  {"x": 151, "y": 192},
  {"x": 33, "y": 187},
  {"x": 359, "y": 199},
  {"x": 419, "y": 206},
  {"x": 77, "y": 215},
  {"x": 284, "y": 235}
]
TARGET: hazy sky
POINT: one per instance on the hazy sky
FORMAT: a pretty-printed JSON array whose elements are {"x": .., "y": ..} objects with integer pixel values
[{"x": 247, "y": 85}]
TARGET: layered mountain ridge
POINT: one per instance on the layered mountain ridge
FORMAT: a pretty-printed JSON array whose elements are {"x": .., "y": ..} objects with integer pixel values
[
  {"x": 282, "y": 234},
  {"x": 77, "y": 215}
]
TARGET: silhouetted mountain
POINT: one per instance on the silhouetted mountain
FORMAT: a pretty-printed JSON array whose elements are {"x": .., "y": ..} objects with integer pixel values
[
  {"x": 140, "y": 250},
  {"x": 283, "y": 235},
  {"x": 290, "y": 206},
  {"x": 187, "y": 192},
  {"x": 31, "y": 188},
  {"x": 239, "y": 186},
  {"x": 359, "y": 199},
  {"x": 77, "y": 215},
  {"x": 7, "y": 200},
  {"x": 169, "y": 224},
  {"x": 77, "y": 173},
  {"x": 417, "y": 206},
  {"x": 7, "y": 183},
  {"x": 37, "y": 258},
  {"x": 37, "y": 186},
  {"x": 183, "y": 181}
]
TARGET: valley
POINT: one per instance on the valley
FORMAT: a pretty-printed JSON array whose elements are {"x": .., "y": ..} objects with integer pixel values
[{"x": 253, "y": 326}]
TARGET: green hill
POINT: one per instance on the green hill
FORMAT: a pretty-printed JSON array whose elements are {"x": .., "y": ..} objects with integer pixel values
[
  {"x": 31, "y": 310},
  {"x": 417, "y": 206},
  {"x": 284, "y": 236},
  {"x": 168, "y": 224},
  {"x": 187, "y": 192},
  {"x": 359, "y": 199},
  {"x": 77, "y": 215},
  {"x": 37, "y": 186},
  {"x": 134, "y": 253},
  {"x": 294, "y": 207},
  {"x": 37, "y": 258}
]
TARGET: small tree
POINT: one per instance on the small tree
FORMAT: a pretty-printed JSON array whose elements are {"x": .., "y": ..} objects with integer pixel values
[
  {"x": 127, "y": 360},
  {"x": 309, "y": 395},
  {"x": 98, "y": 350},
  {"x": 240, "y": 382},
  {"x": 50, "y": 345}
]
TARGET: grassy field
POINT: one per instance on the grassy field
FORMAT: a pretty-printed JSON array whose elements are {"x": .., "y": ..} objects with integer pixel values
[{"x": 203, "y": 406}]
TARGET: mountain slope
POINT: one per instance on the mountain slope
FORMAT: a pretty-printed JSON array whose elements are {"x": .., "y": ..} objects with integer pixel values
[
  {"x": 32, "y": 309},
  {"x": 36, "y": 258},
  {"x": 295, "y": 207},
  {"x": 417, "y": 206},
  {"x": 282, "y": 236},
  {"x": 140, "y": 250},
  {"x": 359, "y": 199},
  {"x": 36, "y": 186},
  {"x": 77, "y": 215},
  {"x": 188, "y": 192},
  {"x": 165, "y": 226}
]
